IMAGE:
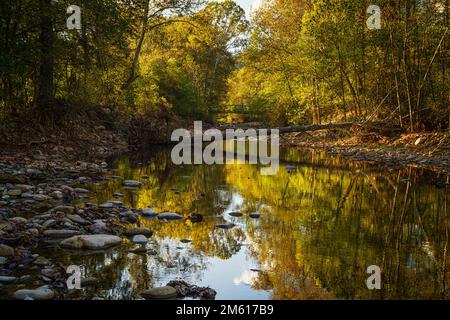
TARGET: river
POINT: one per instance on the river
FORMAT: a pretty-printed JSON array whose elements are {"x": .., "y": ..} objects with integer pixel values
[{"x": 323, "y": 221}]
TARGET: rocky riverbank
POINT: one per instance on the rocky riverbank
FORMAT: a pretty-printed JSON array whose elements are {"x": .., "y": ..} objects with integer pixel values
[
  {"x": 44, "y": 200},
  {"x": 424, "y": 150}
]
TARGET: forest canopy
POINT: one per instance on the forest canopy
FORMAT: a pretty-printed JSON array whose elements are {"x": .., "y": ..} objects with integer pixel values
[{"x": 291, "y": 62}]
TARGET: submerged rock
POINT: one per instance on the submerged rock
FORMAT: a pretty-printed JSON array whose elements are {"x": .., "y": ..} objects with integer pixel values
[
  {"x": 159, "y": 293},
  {"x": 169, "y": 216},
  {"x": 91, "y": 242}
]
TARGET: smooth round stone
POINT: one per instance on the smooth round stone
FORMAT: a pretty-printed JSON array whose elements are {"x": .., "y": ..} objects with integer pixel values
[
  {"x": 140, "y": 239},
  {"x": 91, "y": 242},
  {"x": 159, "y": 293},
  {"x": 42, "y": 293},
  {"x": 169, "y": 216},
  {"x": 235, "y": 214},
  {"x": 118, "y": 195},
  {"x": 65, "y": 209},
  {"x": 138, "y": 231},
  {"x": 2, "y": 260}
]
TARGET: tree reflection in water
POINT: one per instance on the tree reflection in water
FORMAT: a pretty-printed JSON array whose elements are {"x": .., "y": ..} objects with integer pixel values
[{"x": 321, "y": 226}]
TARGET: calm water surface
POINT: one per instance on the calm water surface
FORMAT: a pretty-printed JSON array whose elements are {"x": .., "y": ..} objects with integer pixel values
[{"x": 322, "y": 224}]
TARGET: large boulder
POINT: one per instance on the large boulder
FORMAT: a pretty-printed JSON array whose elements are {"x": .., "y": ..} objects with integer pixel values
[{"x": 92, "y": 242}]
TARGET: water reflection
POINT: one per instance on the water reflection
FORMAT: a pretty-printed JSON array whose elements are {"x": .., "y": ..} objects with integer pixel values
[{"x": 324, "y": 220}]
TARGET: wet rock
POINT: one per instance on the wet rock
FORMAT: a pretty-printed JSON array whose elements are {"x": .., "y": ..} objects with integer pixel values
[
  {"x": 160, "y": 293},
  {"x": 118, "y": 195},
  {"x": 91, "y": 242},
  {"x": 7, "y": 280},
  {"x": 225, "y": 225},
  {"x": 132, "y": 184},
  {"x": 42, "y": 293},
  {"x": 140, "y": 239},
  {"x": 60, "y": 234},
  {"x": 137, "y": 231},
  {"x": 149, "y": 213},
  {"x": 6, "y": 251},
  {"x": 255, "y": 215},
  {"x": 2, "y": 260},
  {"x": 185, "y": 241},
  {"x": 169, "y": 216},
  {"x": 236, "y": 214},
  {"x": 185, "y": 289}
]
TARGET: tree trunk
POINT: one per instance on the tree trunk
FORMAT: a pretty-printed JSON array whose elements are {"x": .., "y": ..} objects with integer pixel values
[{"x": 45, "y": 94}]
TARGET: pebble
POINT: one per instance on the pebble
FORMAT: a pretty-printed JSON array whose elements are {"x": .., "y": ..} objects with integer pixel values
[{"x": 255, "y": 215}]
